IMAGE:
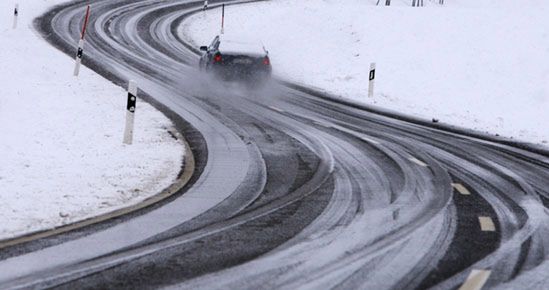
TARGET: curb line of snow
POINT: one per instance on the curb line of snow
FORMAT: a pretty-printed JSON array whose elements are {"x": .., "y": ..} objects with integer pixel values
[{"x": 183, "y": 178}]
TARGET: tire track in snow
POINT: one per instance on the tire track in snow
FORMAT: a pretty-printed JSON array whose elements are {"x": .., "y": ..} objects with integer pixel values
[{"x": 390, "y": 222}]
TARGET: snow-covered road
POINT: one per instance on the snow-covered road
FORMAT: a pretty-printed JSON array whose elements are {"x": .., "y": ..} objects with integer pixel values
[{"x": 295, "y": 190}]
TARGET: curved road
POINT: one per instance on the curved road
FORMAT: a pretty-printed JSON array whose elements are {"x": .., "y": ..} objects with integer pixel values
[{"x": 296, "y": 190}]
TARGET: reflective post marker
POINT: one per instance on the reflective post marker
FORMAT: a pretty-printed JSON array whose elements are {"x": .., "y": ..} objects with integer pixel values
[
  {"x": 372, "y": 77},
  {"x": 15, "y": 15},
  {"x": 130, "y": 112},
  {"x": 80, "y": 51},
  {"x": 205, "y": 5},
  {"x": 222, "y": 18},
  {"x": 79, "y": 54}
]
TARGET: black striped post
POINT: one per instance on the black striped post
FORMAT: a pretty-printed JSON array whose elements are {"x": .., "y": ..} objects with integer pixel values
[
  {"x": 205, "y": 5},
  {"x": 80, "y": 51},
  {"x": 130, "y": 112},
  {"x": 15, "y": 15},
  {"x": 79, "y": 55},
  {"x": 371, "y": 77}
]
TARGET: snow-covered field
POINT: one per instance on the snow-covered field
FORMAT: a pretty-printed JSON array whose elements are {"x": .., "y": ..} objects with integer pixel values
[
  {"x": 61, "y": 152},
  {"x": 480, "y": 64}
]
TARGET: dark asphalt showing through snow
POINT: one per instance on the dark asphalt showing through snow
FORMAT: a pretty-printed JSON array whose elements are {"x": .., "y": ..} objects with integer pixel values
[{"x": 298, "y": 190}]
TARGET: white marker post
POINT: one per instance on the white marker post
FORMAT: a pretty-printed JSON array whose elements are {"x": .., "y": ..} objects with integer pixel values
[
  {"x": 80, "y": 51},
  {"x": 130, "y": 112},
  {"x": 79, "y": 57},
  {"x": 205, "y": 5},
  {"x": 372, "y": 78},
  {"x": 15, "y": 15},
  {"x": 222, "y": 18}
]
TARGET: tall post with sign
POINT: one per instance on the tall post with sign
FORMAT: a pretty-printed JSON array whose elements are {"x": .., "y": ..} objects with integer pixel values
[
  {"x": 130, "y": 112},
  {"x": 80, "y": 51},
  {"x": 372, "y": 77}
]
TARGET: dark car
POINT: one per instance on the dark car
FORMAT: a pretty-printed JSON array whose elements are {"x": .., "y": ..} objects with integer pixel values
[{"x": 236, "y": 59}]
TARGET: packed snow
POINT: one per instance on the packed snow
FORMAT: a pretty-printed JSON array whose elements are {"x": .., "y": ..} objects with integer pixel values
[
  {"x": 238, "y": 46},
  {"x": 61, "y": 154},
  {"x": 479, "y": 64}
]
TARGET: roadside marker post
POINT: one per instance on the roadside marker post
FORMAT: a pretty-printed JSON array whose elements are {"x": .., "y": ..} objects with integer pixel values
[
  {"x": 80, "y": 51},
  {"x": 15, "y": 15},
  {"x": 205, "y": 5},
  {"x": 222, "y": 18},
  {"x": 130, "y": 112},
  {"x": 79, "y": 54},
  {"x": 371, "y": 77}
]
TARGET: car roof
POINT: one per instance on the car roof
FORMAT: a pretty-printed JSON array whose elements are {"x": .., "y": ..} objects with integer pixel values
[{"x": 241, "y": 46}]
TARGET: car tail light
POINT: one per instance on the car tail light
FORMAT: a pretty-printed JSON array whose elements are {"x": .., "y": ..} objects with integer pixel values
[
  {"x": 266, "y": 61},
  {"x": 218, "y": 58}
]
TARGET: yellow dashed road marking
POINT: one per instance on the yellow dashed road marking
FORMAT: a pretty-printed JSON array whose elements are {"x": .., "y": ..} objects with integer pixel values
[
  {"x": 369, "y": 140},
  {"x": 476, "y": 280},
  {"x": 417, "y": 161},
  {"x": 461, "y": 189},
  {"x": 486, "y": 224},
  {"x": 276, "y": 109}
]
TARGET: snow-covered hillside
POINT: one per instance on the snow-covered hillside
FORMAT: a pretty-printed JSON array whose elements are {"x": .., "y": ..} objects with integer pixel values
[
  {"x": 61, "y": 152},
  {"x": 481, "y": 64}
]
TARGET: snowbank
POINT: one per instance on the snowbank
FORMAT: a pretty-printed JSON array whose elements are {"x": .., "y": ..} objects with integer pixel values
[
  {"x": 61, "y": 152},
  {"x": 477, "y": 64}
]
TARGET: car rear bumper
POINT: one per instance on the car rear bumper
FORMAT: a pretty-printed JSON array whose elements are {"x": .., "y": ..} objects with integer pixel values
[{"x": 232, "y": 73}]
